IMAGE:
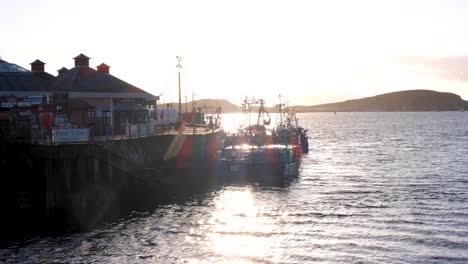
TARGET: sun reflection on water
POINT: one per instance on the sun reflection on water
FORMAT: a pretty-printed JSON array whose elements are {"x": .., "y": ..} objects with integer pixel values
[{"x": 237, "y": 231}]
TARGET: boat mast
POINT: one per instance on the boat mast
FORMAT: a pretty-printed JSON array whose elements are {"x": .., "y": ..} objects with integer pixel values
[
  {"x": 280, "y": 112},
  {"x": 260, "y": 110},
  {"x": 246, "y": 111}
]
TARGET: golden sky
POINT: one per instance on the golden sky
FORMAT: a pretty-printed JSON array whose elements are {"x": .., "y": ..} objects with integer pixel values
[{"x": 310, "y": 51}]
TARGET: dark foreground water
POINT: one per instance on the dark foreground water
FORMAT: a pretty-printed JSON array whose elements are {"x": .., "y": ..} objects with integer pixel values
[{"x": 375, "y": 188}]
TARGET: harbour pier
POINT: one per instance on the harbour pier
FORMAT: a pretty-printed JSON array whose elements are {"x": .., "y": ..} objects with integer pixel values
[{"x": 84, "y": 147}]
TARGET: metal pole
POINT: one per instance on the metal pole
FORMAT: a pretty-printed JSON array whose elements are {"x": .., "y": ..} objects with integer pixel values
[
  {"x": 156, "y": 107},
  {"x": 167, "y": 116},
  {"x": 194, "y": 114},
  {"x": 111, "y": 117},
  {"x": 180, "y": 101},
  {"x": 280, "y": 110}
]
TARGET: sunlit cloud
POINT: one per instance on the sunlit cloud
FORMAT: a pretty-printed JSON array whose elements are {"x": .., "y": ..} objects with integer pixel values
[{"x": 453, "y": 68}]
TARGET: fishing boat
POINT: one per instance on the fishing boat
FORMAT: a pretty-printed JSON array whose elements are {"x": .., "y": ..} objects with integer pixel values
[
  {"x": 287, "y": 129},
  {"x": 255, "y": 153},
  {"x": 251, "y": 162}
]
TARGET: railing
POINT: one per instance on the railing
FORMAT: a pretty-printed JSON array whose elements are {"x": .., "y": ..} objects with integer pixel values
[
  {"x": 63, "y": 135},
  {"x": 88, "y": 134},
  {"x": 143, "y": 130},
  {"x": 37, "y": 135}
]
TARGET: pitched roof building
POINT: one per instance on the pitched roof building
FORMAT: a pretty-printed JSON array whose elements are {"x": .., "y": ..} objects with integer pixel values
[
  {"x": 78, "y": 82},
  {"x": 16, "y": 80},
  {"x": 81, "y": 94},
  {"x": 85, "y": 82}
]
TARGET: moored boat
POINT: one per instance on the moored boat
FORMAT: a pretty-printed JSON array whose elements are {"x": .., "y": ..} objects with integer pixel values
[
  {"x": 256, "y": 152},
  {"x": 287, "y": 129},
  {"x": 251, "y": 162}
]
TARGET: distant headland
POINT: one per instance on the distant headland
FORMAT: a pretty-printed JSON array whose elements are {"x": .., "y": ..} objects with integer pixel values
[
  {"x": 406, "y": 101},
  {"x": 410, "y": 100}
]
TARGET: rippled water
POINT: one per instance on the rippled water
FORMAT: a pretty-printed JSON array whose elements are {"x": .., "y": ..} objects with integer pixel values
[{"x": 375, "y": 188}]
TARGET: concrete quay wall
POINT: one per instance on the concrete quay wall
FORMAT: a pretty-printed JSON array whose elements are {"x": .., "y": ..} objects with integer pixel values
[{"x": 80, "y": 186}]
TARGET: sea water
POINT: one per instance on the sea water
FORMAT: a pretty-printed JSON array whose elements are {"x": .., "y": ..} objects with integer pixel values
[{"x": 374, "y": 188}]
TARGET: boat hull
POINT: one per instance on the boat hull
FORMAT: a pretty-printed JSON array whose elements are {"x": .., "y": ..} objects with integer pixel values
[{"x": 238, "y": 171}]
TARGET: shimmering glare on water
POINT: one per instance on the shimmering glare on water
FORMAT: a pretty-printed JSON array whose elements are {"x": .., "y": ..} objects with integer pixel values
[{"x": 375, "y": 188}]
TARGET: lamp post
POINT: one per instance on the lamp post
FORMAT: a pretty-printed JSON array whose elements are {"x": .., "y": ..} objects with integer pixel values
[
  {"x": 179, "y": 124},
  {"x": 180, "y": 101}
]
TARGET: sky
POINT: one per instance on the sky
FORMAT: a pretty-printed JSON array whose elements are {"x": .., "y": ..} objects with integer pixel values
[{"x": 310, "y": 52}]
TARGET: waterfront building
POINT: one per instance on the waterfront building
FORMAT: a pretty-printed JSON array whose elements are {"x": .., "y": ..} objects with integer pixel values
[{"x": 81, "y": 97}]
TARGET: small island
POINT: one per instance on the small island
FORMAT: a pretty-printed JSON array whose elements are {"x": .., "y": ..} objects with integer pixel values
[{"x": 407, "y": 101}]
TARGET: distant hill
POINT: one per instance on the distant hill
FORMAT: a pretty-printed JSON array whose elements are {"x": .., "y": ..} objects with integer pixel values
[
  {"x": 411, "y": 100},
  {"x": 226, "y": 106}
]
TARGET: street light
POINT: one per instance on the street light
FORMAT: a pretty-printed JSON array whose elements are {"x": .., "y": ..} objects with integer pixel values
[
  {"x": 179, "y": 125},
  {"x": 180, "y": 101}
]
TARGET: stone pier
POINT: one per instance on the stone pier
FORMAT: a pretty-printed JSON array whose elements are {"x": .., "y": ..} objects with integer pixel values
[{"x": 81, "y": 185}]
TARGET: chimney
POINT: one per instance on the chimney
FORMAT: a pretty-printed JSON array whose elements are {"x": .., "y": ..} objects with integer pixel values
[
  {"x": 37, "y": 66},
  {"x": 81, "y": 60},
  {"x": 103, "y": 68},
  {"x": 62, "y": 71}
]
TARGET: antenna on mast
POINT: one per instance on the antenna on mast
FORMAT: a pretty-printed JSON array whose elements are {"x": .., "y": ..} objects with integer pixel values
[{"x": 280, "y": 110}]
